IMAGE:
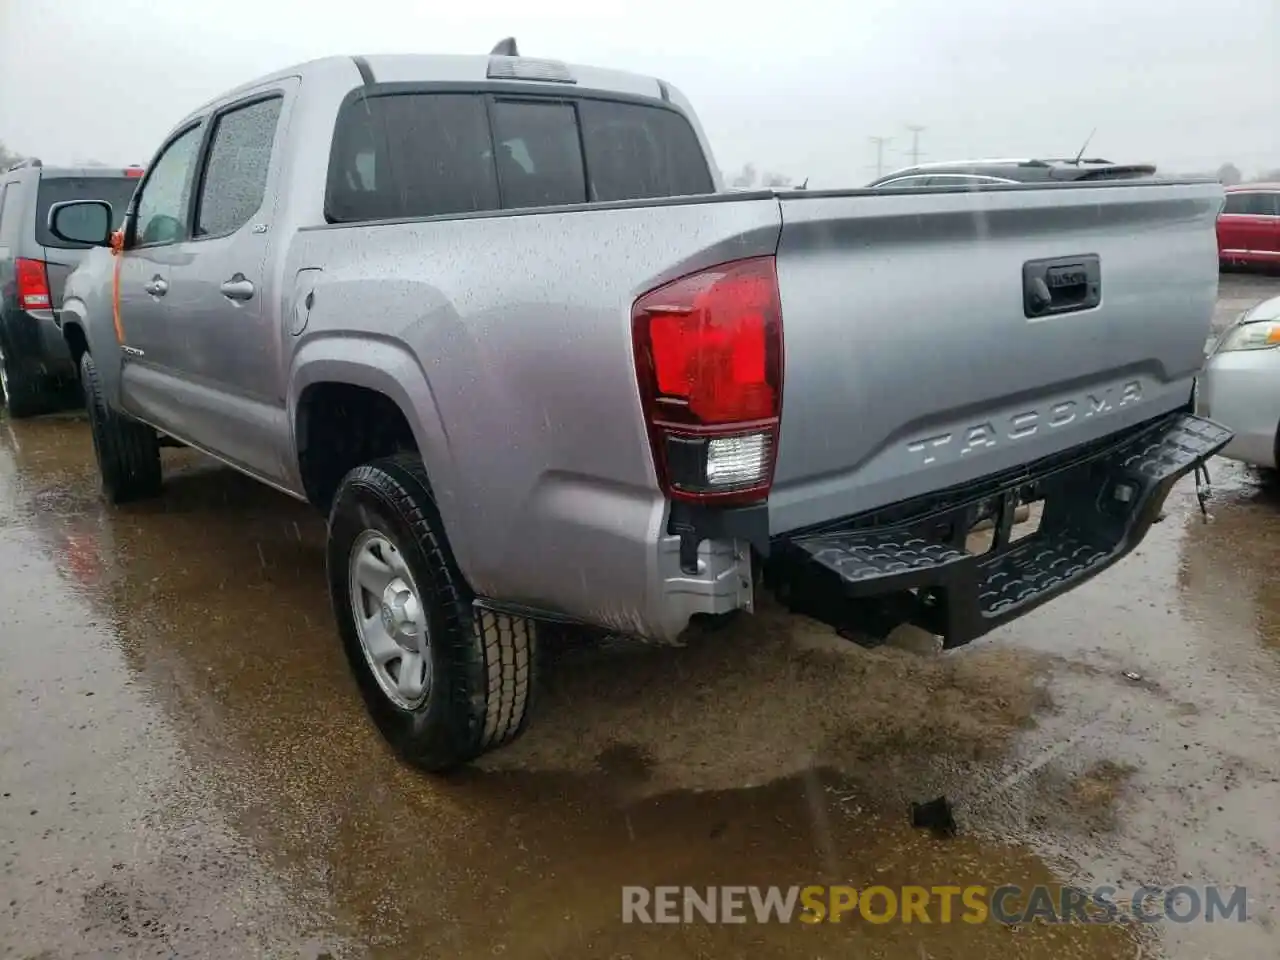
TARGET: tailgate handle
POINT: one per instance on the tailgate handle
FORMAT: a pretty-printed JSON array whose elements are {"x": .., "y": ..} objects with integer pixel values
[{"x": 1061, "y": 285}]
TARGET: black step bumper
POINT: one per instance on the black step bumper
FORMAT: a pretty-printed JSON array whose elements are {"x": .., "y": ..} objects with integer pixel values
[{"x": 909, "y": 563}]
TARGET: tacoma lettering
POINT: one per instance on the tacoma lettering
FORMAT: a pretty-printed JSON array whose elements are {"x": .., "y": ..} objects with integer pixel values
[{"x": 1027, "y": 423}]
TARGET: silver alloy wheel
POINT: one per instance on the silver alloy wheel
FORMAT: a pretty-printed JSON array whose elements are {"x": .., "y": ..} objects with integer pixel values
[
  {"x": 390, "y": 620},
  {"x": 4, "y": 379}
]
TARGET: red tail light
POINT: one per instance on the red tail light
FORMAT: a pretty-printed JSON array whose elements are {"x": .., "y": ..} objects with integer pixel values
[
  {"x": 33, "y": 284},
  {"x": 134, "y": 171},
  {"x": 709, "y": 363}
]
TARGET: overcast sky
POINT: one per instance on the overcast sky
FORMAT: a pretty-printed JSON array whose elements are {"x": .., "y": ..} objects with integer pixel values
[{"x": 797, "y": 87}]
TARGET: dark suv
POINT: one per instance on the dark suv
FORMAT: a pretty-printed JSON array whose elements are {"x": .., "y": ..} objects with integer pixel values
[
  {"x": 977, "y": 173},
  {"x": 34, "y": 266}
]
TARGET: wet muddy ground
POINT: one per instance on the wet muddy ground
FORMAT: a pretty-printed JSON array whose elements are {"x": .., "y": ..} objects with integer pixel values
[{"x": 187, "y": 770}]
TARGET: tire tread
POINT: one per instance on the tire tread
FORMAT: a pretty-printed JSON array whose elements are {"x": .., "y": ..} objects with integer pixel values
[
  {"x": 491, "y": 655},
  {"x": 128, "y": 451}
]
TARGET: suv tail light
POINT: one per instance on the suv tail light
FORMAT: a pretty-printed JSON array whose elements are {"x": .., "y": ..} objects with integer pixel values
[
  {"x": 33, "y": 284},
  {"x": 708, "y": 351}
]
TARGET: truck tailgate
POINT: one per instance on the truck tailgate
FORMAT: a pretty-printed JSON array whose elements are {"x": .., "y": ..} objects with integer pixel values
[{"x": 933, "y": 338}]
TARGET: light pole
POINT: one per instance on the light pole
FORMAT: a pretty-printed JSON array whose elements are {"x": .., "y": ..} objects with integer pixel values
[
  {"x": 915, "y": 142},
  {"x": 880, "y": 142}
]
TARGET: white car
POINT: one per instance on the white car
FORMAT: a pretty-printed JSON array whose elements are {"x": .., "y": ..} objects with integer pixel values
[{"x": 1240, "y": 385}]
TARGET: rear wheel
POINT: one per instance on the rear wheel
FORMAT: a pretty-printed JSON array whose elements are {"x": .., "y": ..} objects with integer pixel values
[
  {"x": 19, "y": 391},
  {"x": 128, "y": 452},
  {"x": 443, "y": 682}
]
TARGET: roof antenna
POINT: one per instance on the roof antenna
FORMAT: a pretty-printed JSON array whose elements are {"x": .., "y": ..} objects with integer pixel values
[
  {"x": 505, "y": 48},
  {"x": 1083, "y": 147}
]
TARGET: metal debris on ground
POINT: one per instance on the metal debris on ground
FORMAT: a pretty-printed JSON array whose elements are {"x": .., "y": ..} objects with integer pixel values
[
  {"x": 934, "y": 815},
  {"x": 1203, "y": 490}
]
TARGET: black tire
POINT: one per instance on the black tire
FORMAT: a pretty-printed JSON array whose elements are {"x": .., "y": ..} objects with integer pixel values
[
  {"x": 23, "y": 397},
  {"x": 483, "y": 664},
  {"x": 128, "y": 452}
]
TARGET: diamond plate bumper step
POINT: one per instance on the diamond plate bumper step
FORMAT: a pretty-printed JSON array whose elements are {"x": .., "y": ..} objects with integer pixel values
[{"x": 867, "y": 574}]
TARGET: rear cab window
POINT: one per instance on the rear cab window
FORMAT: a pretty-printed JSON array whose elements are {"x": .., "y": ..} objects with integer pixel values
[
  {"x": 419, "y": 154},
  {"x": 117, "y": 191},
  {"x": 539, "y": 156}
]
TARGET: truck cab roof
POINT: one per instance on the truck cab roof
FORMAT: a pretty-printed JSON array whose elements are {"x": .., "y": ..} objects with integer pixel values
[{"x": 465, "y": 69}]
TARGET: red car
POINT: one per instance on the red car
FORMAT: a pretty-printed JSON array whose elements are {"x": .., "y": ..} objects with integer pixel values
[{"x": 1249, "y": 227}]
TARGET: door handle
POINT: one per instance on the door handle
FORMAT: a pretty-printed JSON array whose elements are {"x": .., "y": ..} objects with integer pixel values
[
  {"x": 237, "y": 288},
  {"x": 158, "y": 286}
]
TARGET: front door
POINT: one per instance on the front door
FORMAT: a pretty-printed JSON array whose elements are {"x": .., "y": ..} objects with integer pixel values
[
  {"x": 145, "y": 276},
  {"x": 1273, "y": 234},
  {"x": 229, "y": 382}
]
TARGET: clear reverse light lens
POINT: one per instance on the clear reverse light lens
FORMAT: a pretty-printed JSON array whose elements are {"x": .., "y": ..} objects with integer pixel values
[
  {"x": 1260, "y": 335},
  {"x": 737, "y": 461}
]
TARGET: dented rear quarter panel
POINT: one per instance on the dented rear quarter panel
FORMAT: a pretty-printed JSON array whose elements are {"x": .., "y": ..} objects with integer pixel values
[{"x": 508, "y": 341}]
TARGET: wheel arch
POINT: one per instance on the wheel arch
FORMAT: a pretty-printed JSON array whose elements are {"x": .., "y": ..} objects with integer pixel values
[
  {"x": 77, "y": 340},
  {"x": 326, "y": 367}
]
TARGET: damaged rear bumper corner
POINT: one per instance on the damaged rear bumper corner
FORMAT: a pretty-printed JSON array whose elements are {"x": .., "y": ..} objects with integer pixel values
[{"x": 909, "y": 563}]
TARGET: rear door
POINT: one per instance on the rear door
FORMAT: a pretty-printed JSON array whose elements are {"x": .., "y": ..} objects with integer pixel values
[
  {"x": 60, "y": 256},
  {"x": 227, "y": 382},
  {"x": 12, "y": 208},
  {"x": 6, "y": 241},
  {"x": 1246, "y": 225}
]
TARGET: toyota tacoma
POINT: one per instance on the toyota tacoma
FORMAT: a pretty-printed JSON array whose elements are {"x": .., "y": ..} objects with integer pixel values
[{"x": 499, "y": 320}]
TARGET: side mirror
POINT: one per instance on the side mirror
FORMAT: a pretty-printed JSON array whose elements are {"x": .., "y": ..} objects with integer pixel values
[{"x": 82, "y": 221}]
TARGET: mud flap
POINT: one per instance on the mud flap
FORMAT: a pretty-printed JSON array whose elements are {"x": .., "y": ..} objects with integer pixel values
[{"x": 869, "y": 576}]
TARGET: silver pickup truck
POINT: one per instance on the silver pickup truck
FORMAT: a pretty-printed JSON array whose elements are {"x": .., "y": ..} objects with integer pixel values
[{"x": 498, "y": 319}]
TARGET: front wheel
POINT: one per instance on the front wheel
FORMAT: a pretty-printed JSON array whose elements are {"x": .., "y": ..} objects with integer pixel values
[
  {"x": 443, "y": 682},
  {"x": 128, "y": 452}
]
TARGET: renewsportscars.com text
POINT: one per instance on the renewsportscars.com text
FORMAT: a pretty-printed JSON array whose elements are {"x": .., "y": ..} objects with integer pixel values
[{"x": 971, "y": 904}]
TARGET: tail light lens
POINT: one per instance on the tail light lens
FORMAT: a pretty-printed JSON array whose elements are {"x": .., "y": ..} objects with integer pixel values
[
  {"x": 33, "y": 284},
  {"x": 708, "y": 353}
]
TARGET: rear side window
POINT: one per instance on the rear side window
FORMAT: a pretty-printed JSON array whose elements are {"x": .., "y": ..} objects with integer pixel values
[
  {"x": 12, "y": 214},
  {"x": 1253, "y": 204},
  {"x": 235, "y": 175},
  {"x": 411, "y": 156},
  {"x": 429, "y": 154},
  {"x": 117, "y": 191},
  {"x": 10, "y": 201}
]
